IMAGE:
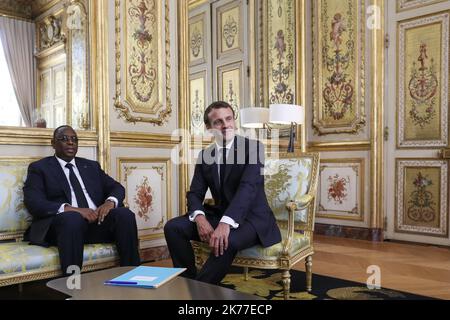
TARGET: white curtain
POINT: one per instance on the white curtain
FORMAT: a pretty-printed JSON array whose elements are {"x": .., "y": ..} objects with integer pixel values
[{"x": 18, "y": 38}]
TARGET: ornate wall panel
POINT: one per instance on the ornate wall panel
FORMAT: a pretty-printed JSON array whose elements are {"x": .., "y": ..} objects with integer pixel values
[
  {"x": 281, "y": 44},
  {"x": 403, "y": 5},
  {"x": 230, "y": 84},
  {"x": 341, "y": 189},
  {"x": 197, "y": 40},
  {"x": 422, "y": 193},
  {"x": 229, "y": 29},
  {"x": 143, "y": 61},
  {"x": 78, "y": 74},
  {"x": 338, "y": 66},
  {"x": 197, "y": 101},
  {"x": 148, "y": 183},
  {"x": 423, "y": 71}
]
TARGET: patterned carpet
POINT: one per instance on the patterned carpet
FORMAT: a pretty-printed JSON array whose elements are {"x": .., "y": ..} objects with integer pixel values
[{"x": 267, "y": 284}]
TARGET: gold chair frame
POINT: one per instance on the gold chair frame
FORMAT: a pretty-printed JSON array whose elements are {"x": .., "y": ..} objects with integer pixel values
[{"x": 285, "y": 261}]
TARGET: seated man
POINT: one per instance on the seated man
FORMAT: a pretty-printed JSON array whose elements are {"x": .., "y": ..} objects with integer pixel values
[
  {"x": 73, "y": 202},
  {"x": 241, "y": 216}
]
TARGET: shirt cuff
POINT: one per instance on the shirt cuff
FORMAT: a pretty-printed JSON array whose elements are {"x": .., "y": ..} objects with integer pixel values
[
  {"x": 113, "y": 199},
  {"x": 231, "y": 222},
  {"x": 61, "y": 209},
  {"x": 194, "y": 214}
]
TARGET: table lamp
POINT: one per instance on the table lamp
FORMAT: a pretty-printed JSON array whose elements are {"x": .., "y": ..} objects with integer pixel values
[
  {"x": 288, "y": 114},
  {"x": 285, "y": 114}
]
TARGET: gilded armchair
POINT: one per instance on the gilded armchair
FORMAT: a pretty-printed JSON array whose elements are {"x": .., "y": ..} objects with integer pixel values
[{"x": 290, "y": 185}]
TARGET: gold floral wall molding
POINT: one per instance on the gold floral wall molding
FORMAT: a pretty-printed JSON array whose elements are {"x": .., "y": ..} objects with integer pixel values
[
  {"x": 423, "y": 78},
  {"x": 50, "y": 32},
  {"x": 338, "y": 67},
  {"x": 142, "y": 92},
  {"x": 281, "y": 53}
]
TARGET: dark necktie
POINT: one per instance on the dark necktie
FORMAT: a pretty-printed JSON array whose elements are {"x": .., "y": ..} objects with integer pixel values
[
  {"x": 222, "y": 177},
  {"x": 222, "y": 166},
  {"x": 79, "y": 194}
]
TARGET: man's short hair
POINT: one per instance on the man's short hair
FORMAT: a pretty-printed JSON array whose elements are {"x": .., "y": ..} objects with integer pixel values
[
  {"x": 216, "y": 105},
  {"x": 59, "y": 128}
]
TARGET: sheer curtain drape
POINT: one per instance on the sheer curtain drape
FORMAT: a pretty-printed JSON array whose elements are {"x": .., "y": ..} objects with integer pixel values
[{"x": 18, "y": 39}]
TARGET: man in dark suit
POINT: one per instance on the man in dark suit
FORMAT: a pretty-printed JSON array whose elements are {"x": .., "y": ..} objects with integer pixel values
[
  {"x": 74, "y": 202},
  {"x": 240, "y": 218}
]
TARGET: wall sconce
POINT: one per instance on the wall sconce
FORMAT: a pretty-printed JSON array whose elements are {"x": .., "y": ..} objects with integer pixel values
[{"x": 285, "y": 114}]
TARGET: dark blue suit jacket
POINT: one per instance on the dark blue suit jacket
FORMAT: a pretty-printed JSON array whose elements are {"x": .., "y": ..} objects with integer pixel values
[
  {"x": 245, "y": 199},
  {"x": 46, "y": 189}
]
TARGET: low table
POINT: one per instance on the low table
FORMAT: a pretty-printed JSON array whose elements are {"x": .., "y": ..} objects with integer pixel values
[{"x": 179, "y": 288}]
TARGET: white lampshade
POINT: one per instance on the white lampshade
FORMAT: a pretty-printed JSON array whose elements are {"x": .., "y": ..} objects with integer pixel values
[
  {"x": 254, "y": 117},
  {"x": 286, "y": 114}
]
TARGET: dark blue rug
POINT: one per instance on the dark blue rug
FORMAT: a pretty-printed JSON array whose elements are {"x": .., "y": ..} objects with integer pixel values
[{"x": 268, "y": 284}]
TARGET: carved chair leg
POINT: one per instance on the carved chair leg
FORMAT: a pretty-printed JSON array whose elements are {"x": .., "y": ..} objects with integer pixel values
[
  {"x": 245, "y": 273},
  {"x": 308, "y": 265},
  {"x": 20, "y": 287},
  {"x": 286, "y": 284}
]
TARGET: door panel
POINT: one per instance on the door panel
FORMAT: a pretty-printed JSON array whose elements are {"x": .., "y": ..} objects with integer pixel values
[{"x": 417, "y": 83}]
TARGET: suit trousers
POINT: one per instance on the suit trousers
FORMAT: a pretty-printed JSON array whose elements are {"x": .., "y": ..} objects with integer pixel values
[
  {"x": 69, "y": 231},
  {"x": 180, "y": 231}
]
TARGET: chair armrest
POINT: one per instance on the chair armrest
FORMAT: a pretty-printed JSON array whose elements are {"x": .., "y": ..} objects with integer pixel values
[{"x": 303, "y": 202}]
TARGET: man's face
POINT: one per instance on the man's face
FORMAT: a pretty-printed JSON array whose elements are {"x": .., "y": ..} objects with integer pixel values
[
  {"x": 222, "y": 124},
  {"x": 65, "y": 144}
]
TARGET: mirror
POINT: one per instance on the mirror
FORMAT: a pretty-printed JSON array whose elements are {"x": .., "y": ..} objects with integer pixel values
[{"x": 47, "y": 85}]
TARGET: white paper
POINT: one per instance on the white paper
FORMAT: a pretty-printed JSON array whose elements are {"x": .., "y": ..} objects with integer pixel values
[{"x": 143, "y": 278}]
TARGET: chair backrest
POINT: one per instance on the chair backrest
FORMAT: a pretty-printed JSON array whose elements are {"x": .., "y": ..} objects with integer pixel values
[
  {"x": 289, "y": 176},
  {"x": 14, "y": 217}
]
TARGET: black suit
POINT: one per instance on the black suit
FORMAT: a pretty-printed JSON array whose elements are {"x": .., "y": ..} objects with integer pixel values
[
  {"x": 47, "y": 188},
  {"x": 241, "y": 198}
]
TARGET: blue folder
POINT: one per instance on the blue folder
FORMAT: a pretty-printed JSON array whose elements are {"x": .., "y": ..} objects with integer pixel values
[{"x": 145, "y": 277}]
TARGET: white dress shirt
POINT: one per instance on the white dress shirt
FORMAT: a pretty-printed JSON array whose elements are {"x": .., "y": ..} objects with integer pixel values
[
  {"x": 224, "y": 219},
  {"x": 72, "y": 192}
]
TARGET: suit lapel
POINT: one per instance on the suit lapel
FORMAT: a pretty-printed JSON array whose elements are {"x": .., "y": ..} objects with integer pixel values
[{"x": 60, "y": 176}]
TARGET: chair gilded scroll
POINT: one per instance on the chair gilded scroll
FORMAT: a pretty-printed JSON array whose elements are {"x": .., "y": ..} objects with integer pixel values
[{"x": 290, "y": 186}]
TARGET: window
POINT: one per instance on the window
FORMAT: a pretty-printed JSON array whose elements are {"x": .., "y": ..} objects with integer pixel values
[{"x": 9, "y": 108}]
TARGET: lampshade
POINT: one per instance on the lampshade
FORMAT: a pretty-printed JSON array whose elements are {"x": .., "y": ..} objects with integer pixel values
[
  {"x": 254, "y": 117},
  {"x": 286, "y": 114}
]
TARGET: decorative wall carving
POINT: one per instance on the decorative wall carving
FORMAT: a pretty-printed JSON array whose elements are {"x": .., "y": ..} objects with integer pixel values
[
  {"x": 341, "y": 189},
  {"x": 142, "y": 59},
  {"x": 281, "y": 44},
  {"x": 197, "y": 41},
  {"x": 230, "y": 86},
  {"x": 197, "y": 103},
  {"x": 77, "y": 25},
  {"x": 423, "y": 81},
  {"x": 403, "y": 5},
  {"x": 50, "y": 32},
  {"x": 148, "y": 182},
  {"x": 229, "y": 28},
  {"x": 338, "y": 67},
  {"x": 422, "y": 192}
]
